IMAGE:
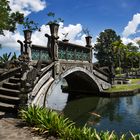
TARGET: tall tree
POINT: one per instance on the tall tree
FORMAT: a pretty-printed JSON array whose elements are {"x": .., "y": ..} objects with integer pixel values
[
  {"x": 120, "y": 51},
  {"x": 132, "y": 48},
  {"x": 8, "y": 19},
  {"x": 104, "y": 47},
  {"x": 138, "y": 42},
  {"x": 138, "y": 57}
]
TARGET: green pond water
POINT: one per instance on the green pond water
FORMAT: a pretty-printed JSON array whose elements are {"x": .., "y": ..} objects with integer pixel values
[{"x": 119, "y": 114}]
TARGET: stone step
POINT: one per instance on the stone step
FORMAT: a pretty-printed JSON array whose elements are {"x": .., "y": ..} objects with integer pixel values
[
  {"x": 9, "y": 92},
  {"x": 14, "y": 80},
  {"x": 15, "y": 86},
  {"x": 9, "y": 99},
  {"x": 8, "y": 107},
  {"x": 18, "y": 75}
]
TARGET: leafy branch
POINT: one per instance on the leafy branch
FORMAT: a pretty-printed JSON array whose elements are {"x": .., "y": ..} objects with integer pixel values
[
  {"x": 56, "y": 21},
  {"x": 30, "y": 25}
]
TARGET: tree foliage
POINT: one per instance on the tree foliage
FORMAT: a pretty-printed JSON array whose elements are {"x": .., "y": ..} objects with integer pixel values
[
  {"x": 110, "y": 51},
  {"x": 8, "y": 19},
  {"x": 120, "y": 51},
  {"x": 126, "y": 56},
  {"x": 30, "y": 25},
  {"x": 104, "y": 48}
]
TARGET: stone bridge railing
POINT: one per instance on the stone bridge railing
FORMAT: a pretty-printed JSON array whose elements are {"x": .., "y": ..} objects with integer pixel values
[
  {"x": 69, "y": 51},
  {"x": 101, "y": 74},
  {"x": 63, "y": 51},
  {"x": 40, "y": 53},
  {"x": 67, "y": 55},
  {"x": 64, "y": 65}
]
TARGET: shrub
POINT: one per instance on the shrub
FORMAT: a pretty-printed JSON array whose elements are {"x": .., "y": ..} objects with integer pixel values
[
  {"x": 52, "y": 123},
  {"x": 46, "y": 120},
  {"x": 118, "y": 70}
]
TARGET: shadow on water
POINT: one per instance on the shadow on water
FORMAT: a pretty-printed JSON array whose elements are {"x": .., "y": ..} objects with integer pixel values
[{"x": 79, "y": 110}]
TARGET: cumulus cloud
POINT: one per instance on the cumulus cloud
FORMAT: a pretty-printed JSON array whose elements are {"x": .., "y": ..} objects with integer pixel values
[
  {"x": 132, "y": 26},
  {"x": 27, "y": 6},
  {"x": 128, "y": 40},
  {"x": 74, "y": 35},
  {"x": 73, "y": 31},
  {"x": 10, "y": 39}
]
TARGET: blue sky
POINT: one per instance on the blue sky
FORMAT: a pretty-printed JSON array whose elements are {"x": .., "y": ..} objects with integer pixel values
[
  {"x": 97, "y": 15},
  {"x": 123, "y": 16}
]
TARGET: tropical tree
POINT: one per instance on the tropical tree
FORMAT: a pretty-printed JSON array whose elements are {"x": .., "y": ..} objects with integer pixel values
[
  {"x": 120, "y": 51},
  {"x": 8, "y": 19},
  {"x": 132, "y": 48},
  {"x": 132, "y": 58},
  {"x": 138, "y": 42},
  {"x": 5, "y": 57},
  {"x": 104, "y": 48},
  {"x": 138, "y": 58},
  {"x": 132, "y": 55}
]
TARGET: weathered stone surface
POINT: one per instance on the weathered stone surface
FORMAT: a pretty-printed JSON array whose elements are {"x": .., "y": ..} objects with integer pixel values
[
  {"x": 40, "y": 83},
  {"x": 13, "y": 129},
  {"x": 40, "y": 97}
]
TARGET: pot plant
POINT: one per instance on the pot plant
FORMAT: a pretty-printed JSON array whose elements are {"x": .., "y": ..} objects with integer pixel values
[
  {"x": 29, "y": 26},
  {"x": 88, "y": 37},
  {"x": 54, "y": 24}
]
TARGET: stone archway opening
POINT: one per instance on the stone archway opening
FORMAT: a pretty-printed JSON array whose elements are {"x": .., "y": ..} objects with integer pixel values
[{"x": 80, "y": 84}]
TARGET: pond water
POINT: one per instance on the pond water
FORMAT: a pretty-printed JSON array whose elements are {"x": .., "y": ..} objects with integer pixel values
[{"x": 119, "y": 114}]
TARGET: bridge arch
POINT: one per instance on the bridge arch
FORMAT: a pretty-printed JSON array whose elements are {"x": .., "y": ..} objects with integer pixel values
[{"x": 78, "y": 79}]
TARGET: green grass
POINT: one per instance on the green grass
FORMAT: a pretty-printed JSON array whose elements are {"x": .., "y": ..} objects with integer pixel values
[
  {"x": 135, "y": 84},
  {"x": 135, "y": 81},
  {"x": 51, "y": 123}
]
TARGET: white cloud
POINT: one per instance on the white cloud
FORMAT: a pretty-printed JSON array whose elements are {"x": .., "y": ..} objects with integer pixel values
[
  {"x": 38, "y": 38},
  {"x": 27, "y": 6},
  {"x": 74, "y": 34},
  {"x": 128, "y": 40},
  {"x": 132, "y": 26},
  {"x": 10, "y": 40}
]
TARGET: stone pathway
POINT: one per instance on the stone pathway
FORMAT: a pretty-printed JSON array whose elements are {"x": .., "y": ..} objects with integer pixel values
[{"x": 11, "y": 128}]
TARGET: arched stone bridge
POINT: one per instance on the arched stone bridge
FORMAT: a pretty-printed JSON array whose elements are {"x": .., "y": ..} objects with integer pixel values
[
  {"x": 41, "y": 70},
  {"x": 70, "y": 62}
]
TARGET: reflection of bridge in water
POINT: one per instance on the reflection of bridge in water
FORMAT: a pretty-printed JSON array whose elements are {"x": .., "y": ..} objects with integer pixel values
[
  {"x": 34, "y": 81},
  {"x": 81, "y": 110}
]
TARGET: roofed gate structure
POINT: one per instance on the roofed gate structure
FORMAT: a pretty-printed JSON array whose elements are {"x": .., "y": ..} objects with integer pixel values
[{"x": 40, "y": 69}]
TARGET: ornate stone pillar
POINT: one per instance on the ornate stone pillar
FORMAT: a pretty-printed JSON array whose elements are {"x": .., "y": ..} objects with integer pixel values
[{"x": 27, "y": 42}]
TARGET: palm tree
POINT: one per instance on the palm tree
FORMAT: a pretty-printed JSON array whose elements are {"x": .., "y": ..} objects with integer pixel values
[
  {"x": 138, "y": 58},
  {"x": 5, "y": 57},
  {"x": 119, "y": 50}
]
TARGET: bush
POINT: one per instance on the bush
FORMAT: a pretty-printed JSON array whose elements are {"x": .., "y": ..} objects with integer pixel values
[
  {"x": 52, "y": 123},
  {"x": 46, "y": 120},
  {"x": 118, "y": 70}
]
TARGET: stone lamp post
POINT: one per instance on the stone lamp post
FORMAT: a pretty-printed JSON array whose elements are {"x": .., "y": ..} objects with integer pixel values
[
  {"x": 27, "y": 35},
  {"x": 88, "y": 41},
  {"x": 54, "y": 29},
  {"x": 27, "y": 42}
]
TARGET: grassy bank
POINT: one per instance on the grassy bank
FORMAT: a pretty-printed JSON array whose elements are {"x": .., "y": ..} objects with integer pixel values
[
  {"x": 135, "y": 84},
  {"x": 51, "y": 123}
]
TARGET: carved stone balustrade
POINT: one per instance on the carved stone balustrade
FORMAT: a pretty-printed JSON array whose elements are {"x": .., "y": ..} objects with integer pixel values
[{"x": 69, "y": 51}]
